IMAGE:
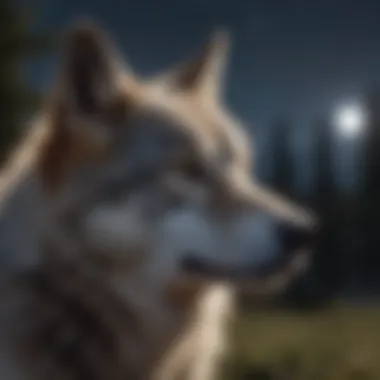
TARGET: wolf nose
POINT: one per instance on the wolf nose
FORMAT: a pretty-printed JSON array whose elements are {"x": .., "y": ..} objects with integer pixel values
[{"x": 295, "y": 237}]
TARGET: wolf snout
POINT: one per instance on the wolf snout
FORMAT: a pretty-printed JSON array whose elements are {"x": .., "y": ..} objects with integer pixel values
[{"x": 195, "y": 265}]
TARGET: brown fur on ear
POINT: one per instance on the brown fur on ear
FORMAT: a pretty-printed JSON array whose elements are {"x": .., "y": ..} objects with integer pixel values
[
  {"x": 64, "y": 148},
  {"x": 56, "y": 144},
  {"x": 87, "y": 98},
  {"x": 70, "y": 142},
  {"x": 202, "y": 75}
]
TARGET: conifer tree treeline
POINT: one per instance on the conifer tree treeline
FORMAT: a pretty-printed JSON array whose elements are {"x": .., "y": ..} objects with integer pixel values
[
  {"x": 347, "y": 257},
  {"x": 324, "y": 273}
]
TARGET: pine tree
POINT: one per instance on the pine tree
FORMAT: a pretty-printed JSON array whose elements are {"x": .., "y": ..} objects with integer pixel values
[
  {"x": 372, "y": 143},
  {"x": 370, "y": 196},
  {"x": 324, "y": 168},
  {"x": 283, "y": 176},
  {"x": 17, "y": 46},
  {"x": 326, "y": 203}
]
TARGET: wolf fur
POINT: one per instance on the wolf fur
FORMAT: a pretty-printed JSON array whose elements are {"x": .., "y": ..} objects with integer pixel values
[{"x": 119, "y": 178}]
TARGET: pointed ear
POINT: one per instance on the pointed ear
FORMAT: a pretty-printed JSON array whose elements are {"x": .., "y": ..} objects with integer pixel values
[
  {"x": 204, "y": 74},
  {"x": 90, "y": 68}
]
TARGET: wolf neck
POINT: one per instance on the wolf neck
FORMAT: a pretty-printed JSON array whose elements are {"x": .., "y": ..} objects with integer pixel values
[{"x": 22, "y": 210}]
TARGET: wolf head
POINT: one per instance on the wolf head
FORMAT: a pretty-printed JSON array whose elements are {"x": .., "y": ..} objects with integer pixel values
[{"x": 154, "y": 176}]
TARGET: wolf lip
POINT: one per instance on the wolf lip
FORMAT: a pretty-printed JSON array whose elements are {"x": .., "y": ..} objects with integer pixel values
[
  {"x": 293, "y": 264},
  {"x": 193, "y": 265}
]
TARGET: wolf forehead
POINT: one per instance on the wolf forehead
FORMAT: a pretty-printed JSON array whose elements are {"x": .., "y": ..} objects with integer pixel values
[{"x": 181, "y": 109}]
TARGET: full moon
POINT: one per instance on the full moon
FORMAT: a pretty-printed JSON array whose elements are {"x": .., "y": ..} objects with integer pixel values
[{"x": 349, "y": 120}]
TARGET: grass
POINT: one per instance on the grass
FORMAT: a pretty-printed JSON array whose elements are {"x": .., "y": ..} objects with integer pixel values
[{"x": 342, "y": 343}]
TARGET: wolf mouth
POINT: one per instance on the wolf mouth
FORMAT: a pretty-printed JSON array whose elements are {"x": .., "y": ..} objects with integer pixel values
[{"x": 265, "y": 279}]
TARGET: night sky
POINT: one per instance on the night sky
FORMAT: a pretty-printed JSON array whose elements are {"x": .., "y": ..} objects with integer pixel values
[{"x": 296, "y": 58}]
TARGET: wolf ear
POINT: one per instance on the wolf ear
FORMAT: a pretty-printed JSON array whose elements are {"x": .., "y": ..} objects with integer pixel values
[
  {"x": 204, "y": 74},
  {"x": 90, "y": 68}
]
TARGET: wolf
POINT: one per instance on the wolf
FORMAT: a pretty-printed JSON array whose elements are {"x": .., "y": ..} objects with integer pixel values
[{"x": 129, "y": 216}]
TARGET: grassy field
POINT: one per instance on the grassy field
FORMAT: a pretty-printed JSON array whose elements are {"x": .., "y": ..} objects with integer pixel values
[{"x": 341, "y": 343}]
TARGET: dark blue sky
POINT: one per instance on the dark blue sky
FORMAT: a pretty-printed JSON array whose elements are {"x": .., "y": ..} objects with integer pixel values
[
  {"x": 295, "y": 57},
  {"x": 289, "y": 56}
]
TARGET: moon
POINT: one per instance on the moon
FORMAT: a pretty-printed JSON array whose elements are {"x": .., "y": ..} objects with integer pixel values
[{"x": 350, "y": 120}]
